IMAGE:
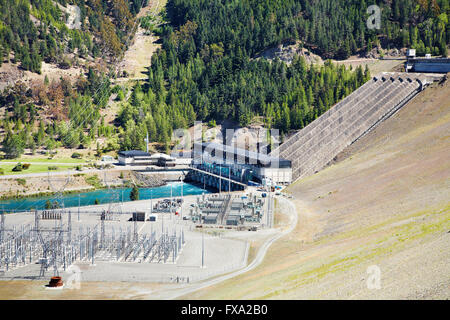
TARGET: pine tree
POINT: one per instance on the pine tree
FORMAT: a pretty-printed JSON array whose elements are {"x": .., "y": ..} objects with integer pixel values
[
  {"x": 134, "y": 195},
  {"x": 13, "y": 146}
]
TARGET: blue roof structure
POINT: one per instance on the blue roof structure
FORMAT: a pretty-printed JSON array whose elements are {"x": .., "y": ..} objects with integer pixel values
[{"x": 134, "y": 153}]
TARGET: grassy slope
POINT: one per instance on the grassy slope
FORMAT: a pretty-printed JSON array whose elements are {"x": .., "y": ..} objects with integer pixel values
[
  {"x": 70, "y": 161},
  {"x": 385, "y": 203},
  {"x": 39, "y": 165},
  {"x": 35, "y": 168}
]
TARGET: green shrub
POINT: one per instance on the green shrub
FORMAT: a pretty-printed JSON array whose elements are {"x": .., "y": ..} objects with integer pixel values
[
  {"x": 94, "y": 181},
  {"x": 48, "y": 204},
  {"x": 22, "y": 182},
  {"x": 212, "y": 124},
  {"x": 76, "y": 155},
  {"x": 2, "y": 171},
  {"x": 52, "y": 168},
  {"x": 116, "y": 89},
  {"x": 18, "y": 167},
  {"x": 134, "y": 195},
  {"x": 120, "y": 96}
]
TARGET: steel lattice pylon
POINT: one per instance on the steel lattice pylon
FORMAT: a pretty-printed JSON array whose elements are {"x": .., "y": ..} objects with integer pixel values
[{"x": 115, "y": 204}]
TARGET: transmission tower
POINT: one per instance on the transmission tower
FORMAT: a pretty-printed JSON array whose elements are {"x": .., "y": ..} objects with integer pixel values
[
  {"x": 53, "y": 245},
  {"x": 2, "y": 226},
  {"x": 58, "y": 193},
  {"x": 114, "y": 205}
]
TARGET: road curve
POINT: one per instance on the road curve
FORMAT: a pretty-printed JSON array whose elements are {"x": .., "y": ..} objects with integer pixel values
[{"x": 293, "y": 219}]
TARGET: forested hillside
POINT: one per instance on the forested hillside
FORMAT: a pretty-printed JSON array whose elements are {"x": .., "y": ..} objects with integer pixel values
[
  {"x": 63, "y": 112},
  {"x": 229, "y": 87},
  {"x": 207, "y": 68},
  {"x": 334, "y": 28},
  {"x": 36, "y": 30}
]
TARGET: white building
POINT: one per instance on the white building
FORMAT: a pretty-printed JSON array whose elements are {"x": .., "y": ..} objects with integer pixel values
[
  {"x": 141, "y": 158},
  {"x": 134, "y": 158},
  {"x": 411, "y": 53}
]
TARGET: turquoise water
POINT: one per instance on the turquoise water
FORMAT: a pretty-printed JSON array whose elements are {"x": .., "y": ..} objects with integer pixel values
[{"x": 104, "y": 196}]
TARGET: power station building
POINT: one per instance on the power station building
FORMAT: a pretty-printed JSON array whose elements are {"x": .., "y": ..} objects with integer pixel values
[
  {"x": 428, "y": 65},
  {"x": 242, "y": 165}
]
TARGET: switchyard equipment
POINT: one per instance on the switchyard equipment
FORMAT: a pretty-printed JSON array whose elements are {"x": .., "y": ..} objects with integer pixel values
[
  {"x": 55, "y": 244},
  {"x": 139, "y": 216},
  {"x": 167, "y": 205},
  {"x": 115, "y": 200},
  {"x": 228, "y": 209}
]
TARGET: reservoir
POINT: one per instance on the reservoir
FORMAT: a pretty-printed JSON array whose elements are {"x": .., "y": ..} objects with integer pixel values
[{"x": 103, "y": 196}]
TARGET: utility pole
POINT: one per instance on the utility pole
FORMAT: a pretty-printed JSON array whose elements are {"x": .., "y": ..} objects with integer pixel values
[
  {"x": 162, "y": 224},
  {"x": 203, "y": 250},
  {"x": 151, "y": 201},
  {"x": 220, "y": 180},
  {"x": 229, "y": 179},
  {"x": 146, "y": 142},
  {"x": 182, "y": 182},
  {"x": 69, "y": 227},
  {"x": 171, "y": 200},
  {"x": 2, "y": 225}
]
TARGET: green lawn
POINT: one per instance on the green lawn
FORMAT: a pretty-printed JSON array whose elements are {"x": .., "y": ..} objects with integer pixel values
[{"x": 34, "y": 168}]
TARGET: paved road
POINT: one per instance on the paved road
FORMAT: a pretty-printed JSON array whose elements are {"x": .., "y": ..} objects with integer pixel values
[
  {"x": 57, "y": 173},
  {"x": 47, "y": 163},
  {"x": 293, "y": 219},
  {"x": 72, "y": 171}
]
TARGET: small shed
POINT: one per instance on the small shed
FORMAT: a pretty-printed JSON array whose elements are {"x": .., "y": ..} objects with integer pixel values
[{"x": 411, "y": 53}]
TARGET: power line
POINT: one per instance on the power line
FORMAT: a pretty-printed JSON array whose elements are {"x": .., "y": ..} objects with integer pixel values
[{"x": 105, "y": 82}]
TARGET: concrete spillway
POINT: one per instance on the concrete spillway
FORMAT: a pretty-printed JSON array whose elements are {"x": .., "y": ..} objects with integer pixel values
[{"x": 313, "y": 147}]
